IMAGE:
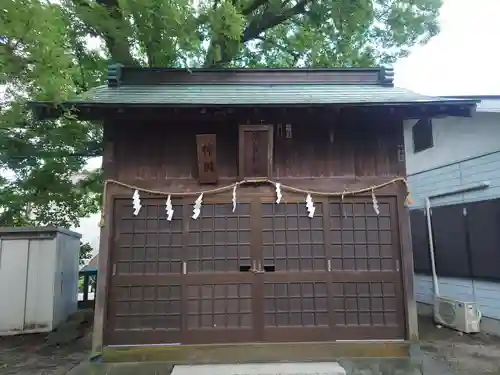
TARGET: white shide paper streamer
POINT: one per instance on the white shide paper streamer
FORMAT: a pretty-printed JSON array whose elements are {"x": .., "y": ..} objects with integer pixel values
[
  {"x": 310, "y": 206},
  {"x": 136, "y": 201},
  {"x": 169, "y": 209},
  {"x": 197, "y": 207},
  {"x": 234, "y": 198},
  {"x": 375, "y": 203},
  {"x": 278, "y": 193}
]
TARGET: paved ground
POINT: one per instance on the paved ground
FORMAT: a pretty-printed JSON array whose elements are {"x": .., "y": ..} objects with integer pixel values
[{"x": 443, "y": 352}]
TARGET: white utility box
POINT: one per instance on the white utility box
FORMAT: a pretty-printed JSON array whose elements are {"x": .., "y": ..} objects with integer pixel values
[
  {"x": 460, "y": 315},
  {"x": 38, "y": 278}
]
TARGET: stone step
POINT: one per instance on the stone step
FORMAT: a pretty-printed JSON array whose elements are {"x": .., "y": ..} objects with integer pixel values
[
  {"x": 311, "y": 368},
  {"x": 256, "y": 352}
]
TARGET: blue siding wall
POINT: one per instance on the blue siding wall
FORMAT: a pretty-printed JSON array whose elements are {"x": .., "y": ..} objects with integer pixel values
[
  {"x": 468, "y": 151},
  {"x": 485, "y": 294},
  {"x": 458, "y": 175},
  {"x": 455, "y": 139},
  {"x": 485, "y": 168}
]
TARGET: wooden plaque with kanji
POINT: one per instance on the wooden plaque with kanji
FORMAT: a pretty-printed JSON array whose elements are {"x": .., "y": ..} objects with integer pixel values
[
  {"x": 255, "y": 151},
  {"x": 207, "y": 158}
]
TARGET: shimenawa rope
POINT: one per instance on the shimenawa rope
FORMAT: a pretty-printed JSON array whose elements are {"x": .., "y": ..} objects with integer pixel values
[{"x": 221, "y": 189}]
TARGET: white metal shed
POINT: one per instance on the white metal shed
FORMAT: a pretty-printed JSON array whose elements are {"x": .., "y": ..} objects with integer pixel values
[{"x": 38, "y": 278}]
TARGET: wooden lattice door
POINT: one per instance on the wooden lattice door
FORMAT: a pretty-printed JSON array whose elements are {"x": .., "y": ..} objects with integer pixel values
[
  {"x": 366, "y": 284},
  {"x": 218, "y": 286},
  {"x": 294, "y": 273},
  {"x": 145, "y": 293},
  {"x": 266, "y": 272}
]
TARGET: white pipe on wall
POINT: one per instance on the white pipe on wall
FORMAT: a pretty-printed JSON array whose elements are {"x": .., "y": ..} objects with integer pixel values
[{"x": 431, "y": 247}]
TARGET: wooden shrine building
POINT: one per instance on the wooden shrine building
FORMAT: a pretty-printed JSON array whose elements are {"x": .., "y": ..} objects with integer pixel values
[{"x": 235, "y": 265}]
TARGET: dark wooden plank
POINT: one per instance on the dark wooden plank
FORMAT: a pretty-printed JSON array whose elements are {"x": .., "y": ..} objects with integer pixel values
[
  {"x": 407, "y": 267},
  {"x": 146, "y": 160},
  {"x": 257, "y": 262},
  {"x": 144, "y": 337},
  {"x": 110, "y": 170},
  {"x": 155, "y": 76},
  {"x": 186, "y": 216}
]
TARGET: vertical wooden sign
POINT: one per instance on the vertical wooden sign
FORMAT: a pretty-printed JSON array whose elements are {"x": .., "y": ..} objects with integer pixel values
[
  {"x": 207, "y": 158},
  {"x": 255, "y": 151}
]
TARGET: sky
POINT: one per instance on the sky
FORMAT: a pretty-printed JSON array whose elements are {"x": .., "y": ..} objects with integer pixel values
[{"x": 462, "y": 59}]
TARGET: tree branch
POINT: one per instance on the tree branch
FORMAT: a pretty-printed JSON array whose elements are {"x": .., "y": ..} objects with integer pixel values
[
  {"x": 292, "y": 53},
  {"x": 81, "y": 86},
  {"x": 118, "y": 45},
  {"x": 253, "y": 6},
  {"x": 260, "y": 24},
  {"x": 269, "y": 20}
]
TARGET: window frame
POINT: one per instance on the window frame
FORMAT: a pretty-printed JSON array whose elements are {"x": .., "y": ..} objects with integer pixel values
[{"x": 420, "y": 126}]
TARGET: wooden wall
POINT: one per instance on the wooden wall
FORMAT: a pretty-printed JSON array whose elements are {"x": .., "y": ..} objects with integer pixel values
[
  {"x": 327, "y": 152},
  {"x": 359, "y": 149}
]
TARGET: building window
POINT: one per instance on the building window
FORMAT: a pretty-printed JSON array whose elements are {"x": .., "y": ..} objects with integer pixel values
[{"x": 422, "y": 135}]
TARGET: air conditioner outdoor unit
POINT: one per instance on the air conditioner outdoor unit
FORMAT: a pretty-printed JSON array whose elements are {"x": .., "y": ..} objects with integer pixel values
[{"x": 459, "y": 315}]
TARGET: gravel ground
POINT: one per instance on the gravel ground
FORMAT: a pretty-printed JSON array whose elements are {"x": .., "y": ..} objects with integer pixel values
[
  {"x": 476, "y": 354},
  {"x": 28, "y": 355}
]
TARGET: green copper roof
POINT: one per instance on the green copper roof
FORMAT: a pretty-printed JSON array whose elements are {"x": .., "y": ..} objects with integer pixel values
[{"x": 251, "y": 94}]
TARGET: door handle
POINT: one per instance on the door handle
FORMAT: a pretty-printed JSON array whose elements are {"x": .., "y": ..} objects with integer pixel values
[
  {"x": 260, "y": 269},
  {"x": 256, "y": 267}
]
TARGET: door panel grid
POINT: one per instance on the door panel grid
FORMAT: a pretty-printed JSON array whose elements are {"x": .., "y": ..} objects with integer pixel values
[
  {"x": 296, "y": 304},
  {"x": 219, "y": 306},
  {"x": 219, "y": 241},
  {"x": 148, "y": 243},
  {"x": 145, "y": 297},
  {"x": 266, "y": 272},
  {"x": 291, "y": 240},
  {"x": 361, "y": 240},
  {"x": 365, "y": 304}
]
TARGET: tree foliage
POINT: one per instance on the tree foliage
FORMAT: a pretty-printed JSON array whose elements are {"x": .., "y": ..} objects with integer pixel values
[
  {"x": 85, "y": 252},
  {"x": 52, "y": 50}
]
